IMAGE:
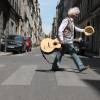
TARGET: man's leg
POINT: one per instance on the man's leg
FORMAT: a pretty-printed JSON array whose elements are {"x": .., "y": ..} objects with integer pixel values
[
  {"x": 76, "y": 58},
  {"x": 57, "y": 60},
  {"x": 78, "y": 62}
]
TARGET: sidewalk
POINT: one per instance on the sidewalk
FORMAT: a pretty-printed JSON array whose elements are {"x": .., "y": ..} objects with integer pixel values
[
  {"x": 92, "y": 60},
  {"x": 92, "y": 55},
  {"x": 5, "y": 53}
]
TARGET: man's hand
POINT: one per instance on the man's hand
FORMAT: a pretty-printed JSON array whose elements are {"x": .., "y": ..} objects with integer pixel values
[
  {"x": 78, "y": 39},
  {"x": 62, "y": 42}
]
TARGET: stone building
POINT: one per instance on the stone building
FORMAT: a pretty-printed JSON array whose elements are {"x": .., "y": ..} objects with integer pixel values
[
  {"x": 9, "y": 17},
  {"x": 20, "y": 17},
  {"x": 31, "y": 24},
  {"x": 27, "y": 14},
  {"x": 54, "y": 27},
  {"x": 37, "y": 23},
  {"x": 90, "y": 15}
]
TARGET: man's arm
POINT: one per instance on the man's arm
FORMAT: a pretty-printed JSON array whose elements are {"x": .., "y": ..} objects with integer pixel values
[
  {"x": 61, "y": 29},
  {"x": 79, "y": 29}
]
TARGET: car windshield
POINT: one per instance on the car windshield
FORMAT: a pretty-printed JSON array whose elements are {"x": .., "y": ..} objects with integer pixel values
[
  {"x": 12, "y": 37},
  {"x": 18, "y": 38}
]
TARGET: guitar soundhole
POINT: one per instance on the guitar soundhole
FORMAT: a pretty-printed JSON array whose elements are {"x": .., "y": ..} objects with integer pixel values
[{"x": 55, "y": 43}]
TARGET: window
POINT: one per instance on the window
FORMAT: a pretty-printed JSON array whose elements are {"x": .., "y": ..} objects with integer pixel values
[{"x": 13, "y": 3}]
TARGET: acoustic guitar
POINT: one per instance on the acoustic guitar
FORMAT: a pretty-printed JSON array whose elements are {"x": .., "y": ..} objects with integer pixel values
[{"x": 48, "y": 45}]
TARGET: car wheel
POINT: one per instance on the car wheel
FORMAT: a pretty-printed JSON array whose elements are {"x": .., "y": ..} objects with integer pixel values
[
  {"x": 30, "y": 49},
  {"x": 24, "y": 49}
]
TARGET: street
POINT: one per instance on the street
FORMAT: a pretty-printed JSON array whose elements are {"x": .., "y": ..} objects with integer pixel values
[{"x": 27, "y": 76}]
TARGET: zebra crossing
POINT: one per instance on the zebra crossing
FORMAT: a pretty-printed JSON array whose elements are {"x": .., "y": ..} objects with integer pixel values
[
  {"x": 27, "y": 76},
  {"x": 2, "y": 65},
  {"x": 24, "y": 75},
  {"x": 69, "y": 79},
  {"x": 36, "y": 55}
]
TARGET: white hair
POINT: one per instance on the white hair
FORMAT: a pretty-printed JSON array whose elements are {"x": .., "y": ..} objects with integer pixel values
[{"x": 73, "y": 11}]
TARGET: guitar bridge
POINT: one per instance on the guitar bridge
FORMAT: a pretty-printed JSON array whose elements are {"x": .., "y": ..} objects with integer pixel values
[{"x": 48, "y": 45}]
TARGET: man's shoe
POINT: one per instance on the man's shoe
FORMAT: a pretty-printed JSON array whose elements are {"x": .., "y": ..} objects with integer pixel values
[
  {"x": 86, "y": 67},
  {"x": 55, "y": 68}
]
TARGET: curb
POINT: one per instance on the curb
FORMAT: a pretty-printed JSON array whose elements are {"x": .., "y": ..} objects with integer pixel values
[{"x": 5, "y": 53}]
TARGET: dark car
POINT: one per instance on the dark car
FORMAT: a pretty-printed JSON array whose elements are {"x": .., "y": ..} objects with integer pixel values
[
  {"x": 28, "y": 43},
  {"x": 16, "y": 43}
]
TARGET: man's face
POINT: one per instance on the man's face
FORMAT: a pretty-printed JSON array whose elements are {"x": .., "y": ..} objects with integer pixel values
[{"x": 75, "y": 16}]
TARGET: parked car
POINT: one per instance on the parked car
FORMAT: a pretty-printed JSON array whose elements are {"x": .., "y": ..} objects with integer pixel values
[
  {"x": 16, "y": 43},
  {"x": 28, "y": 43}
]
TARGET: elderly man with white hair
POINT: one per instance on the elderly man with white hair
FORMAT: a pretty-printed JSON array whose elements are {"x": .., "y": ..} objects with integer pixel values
[{"x": 66, "y": 37}]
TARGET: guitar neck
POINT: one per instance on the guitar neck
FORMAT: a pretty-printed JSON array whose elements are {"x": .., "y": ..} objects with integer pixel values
[{"x": 76, "y": 40}]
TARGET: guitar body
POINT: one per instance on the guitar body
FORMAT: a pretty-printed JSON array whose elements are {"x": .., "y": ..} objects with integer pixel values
[{"x": 48, "y": 45}]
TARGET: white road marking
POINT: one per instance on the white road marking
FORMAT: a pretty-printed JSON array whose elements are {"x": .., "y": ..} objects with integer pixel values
[
  {"x": 37, "y": 55},
  {"x": 2, "y": 65},
  {"x": 68, "y": 79},
  {"x": 50, "y": 55},
  {"x": 22, "y": 76},
  {"x": 17, "y": 54}
]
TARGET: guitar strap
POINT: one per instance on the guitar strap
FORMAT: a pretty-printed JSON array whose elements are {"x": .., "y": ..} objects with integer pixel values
[{"x": 45, "y": 57}]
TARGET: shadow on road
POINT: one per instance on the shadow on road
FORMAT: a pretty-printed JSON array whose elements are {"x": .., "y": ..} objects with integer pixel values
[
  {"x": 42, "y": 70},
  {"x": 50, "y": 70},
  {"x": 61, "y": 70},
  {"x": 94, "y": 83},
  {"x": 93, "y": 62}
]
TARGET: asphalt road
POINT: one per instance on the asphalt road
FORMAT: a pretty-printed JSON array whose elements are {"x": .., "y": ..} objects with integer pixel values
[{"x": 27, "y": 76}]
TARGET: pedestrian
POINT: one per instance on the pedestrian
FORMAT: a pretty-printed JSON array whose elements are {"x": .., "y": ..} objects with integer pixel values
[{"x": 66, "y": 38}]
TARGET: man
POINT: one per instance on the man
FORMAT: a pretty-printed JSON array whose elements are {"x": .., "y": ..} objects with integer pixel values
[{"x": 66, "y": 38}]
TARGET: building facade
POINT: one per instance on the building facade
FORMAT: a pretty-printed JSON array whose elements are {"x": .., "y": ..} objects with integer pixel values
[
  {"x": 20, "y": 17},
  {"x": 37, "y": 23},
  {"x": 54, "y": 27},
  {"x": 90, "y": 15},
  {"x": 31, "y": 24},
  {"x": 9, "y": 17}
]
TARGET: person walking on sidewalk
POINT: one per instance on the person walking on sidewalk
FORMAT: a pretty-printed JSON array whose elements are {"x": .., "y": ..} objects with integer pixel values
[{"x": 66, "y": 38}]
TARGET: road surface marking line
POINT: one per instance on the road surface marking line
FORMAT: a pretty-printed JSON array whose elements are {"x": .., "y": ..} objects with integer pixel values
[
  {"x": 22, "y": 76},
  {"x": 68, "y": 79},
  {"x": 2, "y": 65}
]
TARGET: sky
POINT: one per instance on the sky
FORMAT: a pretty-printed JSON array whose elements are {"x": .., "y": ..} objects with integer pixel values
[{"x": 47, "y": 12}]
